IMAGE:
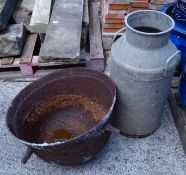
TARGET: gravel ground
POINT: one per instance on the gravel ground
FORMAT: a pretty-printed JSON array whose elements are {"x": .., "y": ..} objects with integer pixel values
[{"x": 159, "y": 154}]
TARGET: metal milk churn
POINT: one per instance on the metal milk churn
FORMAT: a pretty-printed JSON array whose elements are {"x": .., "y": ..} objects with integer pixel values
[{"x": 143, "y": 62}]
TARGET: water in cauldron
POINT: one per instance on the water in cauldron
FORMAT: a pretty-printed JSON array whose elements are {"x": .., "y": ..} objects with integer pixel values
[{"x": 147, "y": 29}]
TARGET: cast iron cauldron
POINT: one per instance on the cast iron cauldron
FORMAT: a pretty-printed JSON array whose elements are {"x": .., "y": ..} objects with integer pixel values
[{"x": 64, "y": 116}]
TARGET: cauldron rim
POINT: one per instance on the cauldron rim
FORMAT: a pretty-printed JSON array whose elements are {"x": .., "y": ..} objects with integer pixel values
[{"x": 80, "y": 137}]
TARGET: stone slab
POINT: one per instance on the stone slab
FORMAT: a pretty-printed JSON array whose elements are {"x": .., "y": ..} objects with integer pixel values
[
  {"x": 6, "y": 9},
  {"x": 12, "y": 40},
  {"x": 85, "y": 13},
  {"x": 28, "y": 4},
  {"x": 62, "y": 40},
  {"x": 22, "y": 15},
  {"x": 40, "y": 16}
]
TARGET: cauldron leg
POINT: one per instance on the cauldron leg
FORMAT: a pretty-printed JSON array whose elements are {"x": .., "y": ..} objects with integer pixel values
[{"x": 27, "y": 155}]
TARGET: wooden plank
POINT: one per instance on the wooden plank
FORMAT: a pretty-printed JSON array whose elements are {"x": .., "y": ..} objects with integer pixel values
[
  {"x": 28, "y": 50},
  {"x": 17, "y": 74},
  {"x": 62, "y": 41},
  {"x": 7, "y": 61},
  {"x": 179, "y": 117},
  {"x": 96, "y": 47},
  {"x": 26, "y": 69},
  {"x": 15, "y": 64},
  {"x": 40, "y": 16},
  {"x": 107, "y": 41}
]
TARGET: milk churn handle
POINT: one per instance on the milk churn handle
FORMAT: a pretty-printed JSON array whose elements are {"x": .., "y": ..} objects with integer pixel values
[
  {"x": 116, "y": 34},
  {"x": 177, "y": 55}
]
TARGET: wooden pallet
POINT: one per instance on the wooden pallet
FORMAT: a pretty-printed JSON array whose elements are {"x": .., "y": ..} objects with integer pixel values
[
  {"x": 179, "y": 114},
  {"x": 29, "y": 63}
]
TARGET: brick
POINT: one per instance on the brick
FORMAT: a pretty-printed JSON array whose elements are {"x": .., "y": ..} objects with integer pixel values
[
  {"x": 113, "y": 26},
  {"x": 132, "y": 9},
  {"x": 110, "y": 30},
  {"x": 118, "y": 6},
  {"x": 114, "y": 21},
  {"x": 114, "y": 16},
  {"x": 139, "y": 3}
]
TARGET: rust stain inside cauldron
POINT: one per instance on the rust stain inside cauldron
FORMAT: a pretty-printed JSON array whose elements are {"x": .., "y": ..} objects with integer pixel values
[
  {"x": 58, "y": 134},
  {"x": 62, "y": 117}
]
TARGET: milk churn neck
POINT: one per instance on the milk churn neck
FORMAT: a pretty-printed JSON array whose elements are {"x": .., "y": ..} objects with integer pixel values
[{"x": 148, "y": 29}]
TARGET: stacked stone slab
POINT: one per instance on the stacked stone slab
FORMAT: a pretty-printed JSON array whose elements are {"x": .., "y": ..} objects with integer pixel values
[
  {"x": 40, "y": 16},
  {"x": 6, "y": 9},
  {"x": 62, "y": 40},
  {"x": 23, "y": 12},
  {"x": 12, "y": 40}
]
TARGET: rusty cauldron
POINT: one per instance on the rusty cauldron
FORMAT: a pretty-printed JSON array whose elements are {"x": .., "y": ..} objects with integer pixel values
[{"x": 63, "y": 117}]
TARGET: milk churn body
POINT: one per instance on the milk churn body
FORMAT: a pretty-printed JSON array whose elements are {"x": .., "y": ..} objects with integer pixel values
[{"x": 142, "y": 66}]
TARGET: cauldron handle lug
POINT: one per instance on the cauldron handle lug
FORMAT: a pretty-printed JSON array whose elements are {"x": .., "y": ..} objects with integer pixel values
[
  {"x": 112, "y": 129},
  {"x": 27, "y": 155}
]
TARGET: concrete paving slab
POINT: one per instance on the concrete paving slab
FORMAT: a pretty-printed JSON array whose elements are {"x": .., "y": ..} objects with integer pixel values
[{"x": 159, "y": 154}]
